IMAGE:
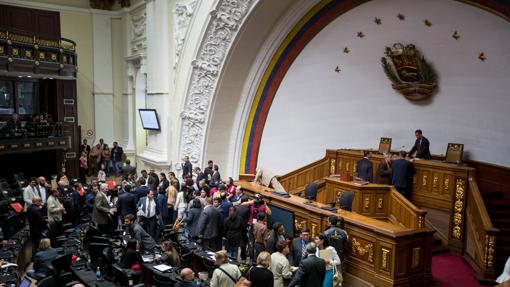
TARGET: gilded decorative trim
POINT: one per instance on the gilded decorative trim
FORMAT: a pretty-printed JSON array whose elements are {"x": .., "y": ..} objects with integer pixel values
[
  {"x": 354, "y": 167},
  {"x": 3, "y": 35},
  {"x": 434, "y": 181},
  {"x": 299, "y": 224},
  {"x": 416, "y": 257},
  {"x": 314, "y": 229},
  {"x": 421, "y": 221},
  {"x": 384, "y": 256},
  {"x": 367, "y": 202},
  {"x": 332, "y": 167},
  {"x": 380, "y": 202},
  {"x": 446, "y": 185},
  {"x": 347, "y": 166},
  {"x": 490, "y": 247},
  {"x": 361, "y": 251},
  {"x": 47, "y": 43},
  {"x": 414, "y": 179},
  {"x": 458, "y": 208},
  {"x": 21, "y": 38},
  {"x": 424, "y": 180}
]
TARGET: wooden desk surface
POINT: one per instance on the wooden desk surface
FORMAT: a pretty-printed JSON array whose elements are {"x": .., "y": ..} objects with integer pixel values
[{"x": 378, "y": 226}]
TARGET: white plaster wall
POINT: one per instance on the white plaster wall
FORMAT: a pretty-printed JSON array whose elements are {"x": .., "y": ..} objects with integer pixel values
[{"x": 316, "y": 108}]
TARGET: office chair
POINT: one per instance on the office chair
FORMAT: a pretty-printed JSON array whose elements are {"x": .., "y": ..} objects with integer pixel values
[
  {"x": 96, "y": 254},
  {"x": 186, "y": 259},
  {"x": 121, "y": 278},
  {"x": 311, "y": 191},
  {"x": 345, "y": 199},
  {"x": 159, "y": 281},
  {"x": 49, "y": 281}
]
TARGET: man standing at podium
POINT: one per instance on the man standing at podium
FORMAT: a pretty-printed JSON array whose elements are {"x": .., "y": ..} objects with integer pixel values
[
  {"x": 364, "y": 168},
  {"x": 421, "y": 146}
]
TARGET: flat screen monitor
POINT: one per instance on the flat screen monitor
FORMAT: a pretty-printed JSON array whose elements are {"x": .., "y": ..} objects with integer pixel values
[
  {"x": 283, "y": 216},
  {"x": 149, "y": 119}
]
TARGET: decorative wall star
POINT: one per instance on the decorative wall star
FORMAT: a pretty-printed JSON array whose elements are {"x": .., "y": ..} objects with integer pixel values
[
  {"x": 337, "y": 69},
  {"x": 361, "y": 35},
  {"x": 427, "y": 23},
  {"x": 377, "y": 21},
  {"x": 346, "y": 50},
  {"x": 456, "y": 35},
  {"x": 401, "y": 17},
  {"x": 482, "y": 57}
]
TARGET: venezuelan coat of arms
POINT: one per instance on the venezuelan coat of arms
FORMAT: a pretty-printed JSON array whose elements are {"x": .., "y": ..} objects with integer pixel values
[{"x": 409, "y": 73}]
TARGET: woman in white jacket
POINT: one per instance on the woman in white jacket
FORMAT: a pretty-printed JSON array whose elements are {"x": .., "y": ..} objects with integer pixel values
[
  {"x": 180, "y": 203},
  {"x": 332, "y": 259}
]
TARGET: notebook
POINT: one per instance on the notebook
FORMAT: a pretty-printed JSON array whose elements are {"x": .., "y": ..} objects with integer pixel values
[{"x": 162, "y": 267}]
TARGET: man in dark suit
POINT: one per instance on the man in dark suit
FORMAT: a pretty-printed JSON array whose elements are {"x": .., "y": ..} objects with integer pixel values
[
  {"x": 128, "y": 168},
  {"x": 400, "y": 175},
  {"x": 126, "y": 204},
  {"x": 85, "y": 147},
  {"x": 298, "y": 247},
  {"x": 312, "y": 269},
  {"x": 145, "y": 241},
  {"x": 216, "y": 177},
  {"x": 141, "y": 190},
  {"x": 210, "y": 227},
  {"x": 187, "y": 168},
  {"x": 421, "y": 146},
  {"x": 117, "y": 153},
  {"x": 364, "y": 168},
  {"x": 36, "y": 220},
  {"x": 149, "y": 212}
]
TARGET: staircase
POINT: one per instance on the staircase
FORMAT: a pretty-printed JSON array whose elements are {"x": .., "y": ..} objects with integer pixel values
[{"x": 499, "y": 212}]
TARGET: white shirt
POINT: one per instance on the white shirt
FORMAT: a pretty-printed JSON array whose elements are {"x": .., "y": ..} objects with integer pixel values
[
  {"x": 334, "y": 261},
  {"x": 44, "y": 197},
  {"x": 153, "y": 208},
  {"x": 180, "y": 202}
]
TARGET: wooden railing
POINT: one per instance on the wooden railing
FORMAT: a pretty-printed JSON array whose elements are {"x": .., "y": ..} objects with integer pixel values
[
  {"x": 297, "y": 179},
  {"x": 374, "y": 200},
  {"x": 480, "y": 235},
  {"x": 405, "y": 211}
]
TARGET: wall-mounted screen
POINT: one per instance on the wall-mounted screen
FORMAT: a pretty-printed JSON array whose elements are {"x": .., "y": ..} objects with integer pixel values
[{"x": 149, "y": 118}]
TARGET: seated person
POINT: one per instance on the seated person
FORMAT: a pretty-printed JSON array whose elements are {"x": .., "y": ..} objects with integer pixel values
[
  {"x": 170, "y": 255},
  {"x": 43, "y": 259},
  {"x": 130, "y": 257},
  {"x": 187, "y": 278},
  {"x": 145, "y": 241}
]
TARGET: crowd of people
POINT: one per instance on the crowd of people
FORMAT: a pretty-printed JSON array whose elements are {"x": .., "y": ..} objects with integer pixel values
[{"x": 211, "y": 211}]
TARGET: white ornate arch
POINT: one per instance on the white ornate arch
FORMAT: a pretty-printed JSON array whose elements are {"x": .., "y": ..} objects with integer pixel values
[{"x": 223, "y": 25}]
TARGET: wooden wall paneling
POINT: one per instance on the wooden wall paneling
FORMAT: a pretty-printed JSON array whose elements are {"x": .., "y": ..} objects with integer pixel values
[
  {"x": 47, "y": 24},
  {"x": 3, "y": 17},
  {"x": 20, "y": 20}
]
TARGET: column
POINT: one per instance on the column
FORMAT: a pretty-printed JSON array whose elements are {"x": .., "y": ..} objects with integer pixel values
[
  {"x": 103, "y": 80},
  {"x": 158, "y": 67}
]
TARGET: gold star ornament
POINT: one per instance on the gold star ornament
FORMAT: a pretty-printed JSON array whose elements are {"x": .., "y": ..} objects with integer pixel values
[
  {"x": 482, "y": 57},
  {"x": 456, "y": 35}
]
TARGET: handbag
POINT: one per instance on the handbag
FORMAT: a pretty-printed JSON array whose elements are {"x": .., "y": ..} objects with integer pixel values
[
  {"x": 243, "y": 281},
  {"x": 337, "y": 277}
]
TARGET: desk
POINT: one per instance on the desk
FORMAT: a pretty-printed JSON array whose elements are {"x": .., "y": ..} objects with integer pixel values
[
  {"x": 88, "y": 277},
  {"x": 382, "y": 253}
]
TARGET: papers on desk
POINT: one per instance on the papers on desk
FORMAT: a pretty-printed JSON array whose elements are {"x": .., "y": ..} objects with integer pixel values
[
  {"x": 147, "y": 258},
  {"x": 210, "y": 255},
  {"x": 162, "y": 267}
]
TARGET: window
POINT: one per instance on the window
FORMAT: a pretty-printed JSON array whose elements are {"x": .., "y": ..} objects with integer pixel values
[
  {"x": 28, "y": 98},
  {"x": 7, "y": 104}
]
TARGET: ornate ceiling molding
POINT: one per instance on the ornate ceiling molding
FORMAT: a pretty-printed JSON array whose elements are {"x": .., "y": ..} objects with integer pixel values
[
  {"x": 183, "y": 12},
  {"x": 221, "y": 31}
]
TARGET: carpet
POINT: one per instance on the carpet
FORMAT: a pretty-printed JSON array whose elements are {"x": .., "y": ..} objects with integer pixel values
[{"x": 451, "y": 270}]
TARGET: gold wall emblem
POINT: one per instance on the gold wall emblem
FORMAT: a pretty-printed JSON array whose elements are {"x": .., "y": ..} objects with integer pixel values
[
  {"x": 384, "y": 256},
  {"x": 332, "y": 166},
  {"x": 410, "y": 74}
]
